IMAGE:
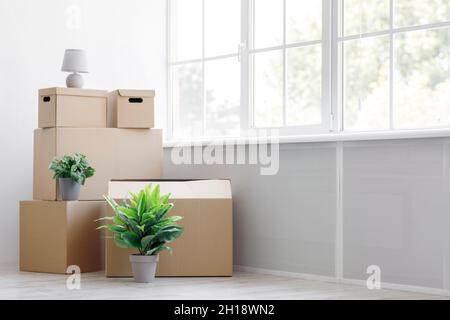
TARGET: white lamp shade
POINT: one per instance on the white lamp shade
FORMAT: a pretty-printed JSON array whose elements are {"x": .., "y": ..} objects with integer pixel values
[{"x": 75, "y": 60}]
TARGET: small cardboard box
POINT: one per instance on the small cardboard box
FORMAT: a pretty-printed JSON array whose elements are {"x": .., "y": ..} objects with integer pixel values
[
  {"x": 114, "y": 153},
  {"x": 131, "y": 109},
  {"x": 55, "y": 235},
  {"x": 71, "y": 107},
  {"x": 206, "y": 246}
]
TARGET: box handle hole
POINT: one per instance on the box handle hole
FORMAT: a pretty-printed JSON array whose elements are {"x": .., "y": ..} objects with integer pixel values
[
  {"x": 136, "y": 100},
  {"x": 46, "y": 99}
]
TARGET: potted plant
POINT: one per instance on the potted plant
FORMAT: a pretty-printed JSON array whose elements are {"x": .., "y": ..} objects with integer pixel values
[
  {"x": 71, "y": 172},
  {"x": 142, "y": 223}
]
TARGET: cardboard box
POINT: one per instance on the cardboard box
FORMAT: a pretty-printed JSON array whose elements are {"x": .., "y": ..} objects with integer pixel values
[
  {"x": 114, "y": 153},
  {"x": 71, "y": 107},
  {"x": 206, "y": 246},
  {"x": 131, "y": 109},
  {"x": 55, "y": 235}
]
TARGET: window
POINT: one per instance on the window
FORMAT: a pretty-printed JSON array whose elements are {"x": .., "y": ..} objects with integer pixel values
[
  {"x": 307, "y": 66},
  {"x": 395, "y": 64},
  {"x": 285, "y": 66},
  {"x": 205, "y": 71}
]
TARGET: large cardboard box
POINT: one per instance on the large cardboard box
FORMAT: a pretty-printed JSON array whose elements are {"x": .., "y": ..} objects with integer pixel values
[
  {"x": 131, "y": 109},
  {"x": 71, "y": 107},
  {"x": 55, "y": 235},
  {"x": 206, "y": 245},
  {"x": 114, "y": 153}
]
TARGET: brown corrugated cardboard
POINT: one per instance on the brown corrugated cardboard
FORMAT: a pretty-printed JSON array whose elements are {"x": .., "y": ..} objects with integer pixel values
[
  {"x": 131, "y": 109},
  {"x": 55, "y": 235},
  {"x": 206, "y": 246},
  {"x": 114, "y": 153},
  {"x": 71, "y": 107}
]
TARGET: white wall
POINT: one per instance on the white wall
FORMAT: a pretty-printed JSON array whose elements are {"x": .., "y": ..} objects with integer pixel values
[{"x": 126, "y": 44}]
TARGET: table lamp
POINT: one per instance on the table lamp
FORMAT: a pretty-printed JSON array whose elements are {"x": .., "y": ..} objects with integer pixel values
[{"x": 75, "y": 61}]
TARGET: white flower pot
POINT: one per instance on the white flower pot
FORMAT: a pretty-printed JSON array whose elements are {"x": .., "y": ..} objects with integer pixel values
[{"x": 144, "y": 267}]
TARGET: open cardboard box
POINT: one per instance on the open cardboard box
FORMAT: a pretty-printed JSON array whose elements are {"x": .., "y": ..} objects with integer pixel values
[{"x": 206, "y": 246}]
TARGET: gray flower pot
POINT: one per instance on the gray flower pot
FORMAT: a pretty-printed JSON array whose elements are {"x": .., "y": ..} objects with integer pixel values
[
  {"x": 144, "y": 267},
  {"x": 69, "y": 190}
]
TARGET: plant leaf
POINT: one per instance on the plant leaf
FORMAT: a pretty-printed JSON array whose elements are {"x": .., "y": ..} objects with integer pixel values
[
  {"x": 129, "y": 212},
  {"x": 112, "y": 203},
  {"x": 146, "y": 240},
  {"x": 158, "y": 249},
  {"x": 105, "y": 218},
  {"x": 165, "y": 198},
  {"x": 119, "y": 241},
  {"x": 131, "y": 239}
]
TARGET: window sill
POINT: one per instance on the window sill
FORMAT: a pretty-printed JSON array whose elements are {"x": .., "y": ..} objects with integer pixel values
[{"x": 329, "y": 137}]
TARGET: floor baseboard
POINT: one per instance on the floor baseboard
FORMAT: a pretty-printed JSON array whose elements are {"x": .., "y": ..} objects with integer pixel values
[{"x": 355, "y": 282}]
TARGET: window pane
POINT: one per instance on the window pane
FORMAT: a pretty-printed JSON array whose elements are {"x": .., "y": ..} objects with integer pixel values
[
  {"x": 303, "y": 20},
  {"x": 304, "y": 85},
  {"x": 222, "y": 26},
  {"x": 417, "y": 12},
  {"x": 222, "y": 80},
  {"x": 366, "y": 84},
  {"x": 422, "y": 82},
  {"x": 187, "y": 100},
  {"x": 186, "y": 23},
  {"x": 362, "y": 16},
  {"x": 268, "y": 89},
  {"x": 268, "y": 23}
]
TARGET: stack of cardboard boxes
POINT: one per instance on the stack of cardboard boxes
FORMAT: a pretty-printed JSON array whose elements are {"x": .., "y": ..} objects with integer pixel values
[
  {"x": 115, "y": 132},
  {"x": 117, "y": 138}
]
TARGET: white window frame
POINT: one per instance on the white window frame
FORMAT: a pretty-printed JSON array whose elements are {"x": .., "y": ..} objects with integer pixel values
[
  {"x": 332, "y": 71},
  {"x": 244, "y": 53},
  {"x": 337, "y": 46},
  {"x": 202, "y": 60},
  {"x": 171, "y": 63},
  {"x": 247, "y": 70}
]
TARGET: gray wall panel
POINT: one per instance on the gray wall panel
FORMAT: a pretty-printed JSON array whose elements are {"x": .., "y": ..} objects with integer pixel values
[
  {"x": 394, "y": 211},
  {"x": 285, "y": 221}
]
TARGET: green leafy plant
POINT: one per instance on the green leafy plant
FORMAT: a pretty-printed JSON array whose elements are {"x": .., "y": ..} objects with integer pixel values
[
  {"x": 75, "y": 167},
  {"x": 142, "y": 222}
]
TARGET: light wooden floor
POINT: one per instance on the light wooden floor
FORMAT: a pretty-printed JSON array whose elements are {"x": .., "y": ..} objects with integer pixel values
[{"x": 24, "y": 285}]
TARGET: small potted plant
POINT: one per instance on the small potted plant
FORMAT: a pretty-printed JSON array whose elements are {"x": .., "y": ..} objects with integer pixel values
[
  {"x": 142, "y": 223},
  {"x": 71, "y": 172}
]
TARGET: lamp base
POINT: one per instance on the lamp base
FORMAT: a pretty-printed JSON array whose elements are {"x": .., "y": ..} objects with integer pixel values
[{"x": 74, "y": 80}]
